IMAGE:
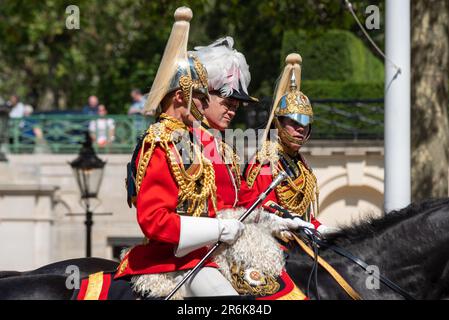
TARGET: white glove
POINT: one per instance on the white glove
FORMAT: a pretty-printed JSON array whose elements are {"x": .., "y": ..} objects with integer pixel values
[
  {"x": 281, "y": 226},
  {"x": 325, "y": 230},
  {"x": 230, "y": 230},
  {"x": 301, "y": 223}
]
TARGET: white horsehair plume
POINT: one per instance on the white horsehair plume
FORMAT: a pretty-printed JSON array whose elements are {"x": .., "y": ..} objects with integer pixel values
[{"x": 225, "y": 66}]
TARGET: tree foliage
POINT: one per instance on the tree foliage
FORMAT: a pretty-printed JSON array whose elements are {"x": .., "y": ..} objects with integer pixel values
[
  {"x": 117, "y": 47},
  {"x": 119, "y": 43}
]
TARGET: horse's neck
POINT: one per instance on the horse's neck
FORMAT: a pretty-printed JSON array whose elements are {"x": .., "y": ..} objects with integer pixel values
[{"x": 408, "y": 240}]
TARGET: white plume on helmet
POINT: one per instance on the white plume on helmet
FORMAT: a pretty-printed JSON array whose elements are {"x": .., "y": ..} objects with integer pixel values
[{"x": 225, "y": 66}]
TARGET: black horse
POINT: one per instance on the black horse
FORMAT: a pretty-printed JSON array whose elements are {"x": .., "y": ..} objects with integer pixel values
[
  {"x": 410, "y": 247},
  {"x": 85, "y": 266},
  {"x": 50, "y": 282}
]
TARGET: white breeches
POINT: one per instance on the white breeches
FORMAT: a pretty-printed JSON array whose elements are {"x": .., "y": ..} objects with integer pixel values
[{"x": 209, "y": 282}]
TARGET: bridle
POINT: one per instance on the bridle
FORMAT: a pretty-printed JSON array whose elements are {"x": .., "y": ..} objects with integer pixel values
[{"x": 316, "y": 241}]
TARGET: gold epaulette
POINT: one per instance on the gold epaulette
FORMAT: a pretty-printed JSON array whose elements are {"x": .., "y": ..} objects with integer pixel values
[
  {"x": 195, "y": 185},
  {"x": 267, "y": 154},
  {"x": 159, "y": 133}
]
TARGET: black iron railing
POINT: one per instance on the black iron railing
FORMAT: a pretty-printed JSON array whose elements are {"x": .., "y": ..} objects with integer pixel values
[
  {"x": 56, "y": 133},
  {"x": 333, "y": 118}
]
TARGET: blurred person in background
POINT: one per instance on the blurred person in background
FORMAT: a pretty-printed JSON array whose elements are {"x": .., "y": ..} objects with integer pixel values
[
  {"x": 92, "y": 106},
  {"x": 31, "y": 131},
  {"x": 31, "y": 125},
  {"x": 138, "y": 102},
  {"x": 136, "y": 110},
  {"x": 17, "y": 107},
  {"x": 102, "y": 130}
]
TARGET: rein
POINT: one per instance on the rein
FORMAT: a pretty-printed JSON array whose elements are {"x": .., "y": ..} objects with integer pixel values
[
  {"x": 342, "y": 282},
  {"x": 315, "y": 240}
]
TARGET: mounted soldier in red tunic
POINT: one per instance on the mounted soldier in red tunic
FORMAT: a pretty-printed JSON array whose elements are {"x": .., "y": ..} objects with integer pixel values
[
  {"x": 178, "y": 192},
  {"x": 229, "y": 77},
  {"x": 173, "y": 185},
  {"x": 292, "y": 117}
]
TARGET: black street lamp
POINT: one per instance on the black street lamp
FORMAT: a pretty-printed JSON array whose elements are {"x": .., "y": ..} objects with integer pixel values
[
  {"x": 4, "y": 119},
  {"x": 88, "y": 171}
]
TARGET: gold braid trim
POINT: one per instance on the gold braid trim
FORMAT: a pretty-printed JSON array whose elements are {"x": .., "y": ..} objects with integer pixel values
[
  {"x": 299, "y": 194},
  {"x": 254, "y": 171},
  {"x": 295, "y": 294},
  {"x": 195, "y": 185},
  {"x": 268, "y": 153},
  {"x": 94, "y": 286},
  {"x": 195, "y": 190},
  {"x": 231, "y": 157},
  {"x": 298, "y": 198}
]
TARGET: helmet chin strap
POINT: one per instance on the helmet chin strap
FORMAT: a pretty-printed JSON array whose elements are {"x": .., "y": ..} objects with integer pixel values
[
  {"x": 198, "y": 115},
  {"x": 286, "y": 137}
]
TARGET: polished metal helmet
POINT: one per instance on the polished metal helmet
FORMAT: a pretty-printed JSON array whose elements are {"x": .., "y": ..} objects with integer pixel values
[
  {"x": 295, "y": 105},
  {"x": 190, "y": 76}
]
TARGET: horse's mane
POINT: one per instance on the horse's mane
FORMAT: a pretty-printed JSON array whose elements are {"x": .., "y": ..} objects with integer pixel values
[{"x": 371, "y": 225}]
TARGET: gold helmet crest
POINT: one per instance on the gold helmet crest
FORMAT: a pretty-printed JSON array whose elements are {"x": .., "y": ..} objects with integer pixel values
[
  {"x": 295, "y": 105},
  {"x": 289, "y": 101}
]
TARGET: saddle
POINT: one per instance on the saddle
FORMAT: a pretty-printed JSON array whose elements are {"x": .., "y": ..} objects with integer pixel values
[
  {"x": 103, "y": 286},
  {"x": 254, "y": 265}
]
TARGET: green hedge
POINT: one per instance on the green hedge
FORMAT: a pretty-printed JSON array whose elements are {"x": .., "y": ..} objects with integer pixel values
[
  {"x": 322, "y": 89},
  {"x": 336, "y": 55},
  {"x": 336, "y": 64}
]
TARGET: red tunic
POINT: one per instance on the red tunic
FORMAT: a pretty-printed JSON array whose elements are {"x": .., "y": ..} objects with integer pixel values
[
  {"x": 156, "y": 212},
  {"x": 229, "y": 194},
  {"x": 261, "y": 183}
]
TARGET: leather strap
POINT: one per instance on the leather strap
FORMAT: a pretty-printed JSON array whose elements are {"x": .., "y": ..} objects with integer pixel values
[
  {"x": 342, "y": 282},
  {"x": 343, "y": 253},
  {"x": 393, "y": 286}
]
